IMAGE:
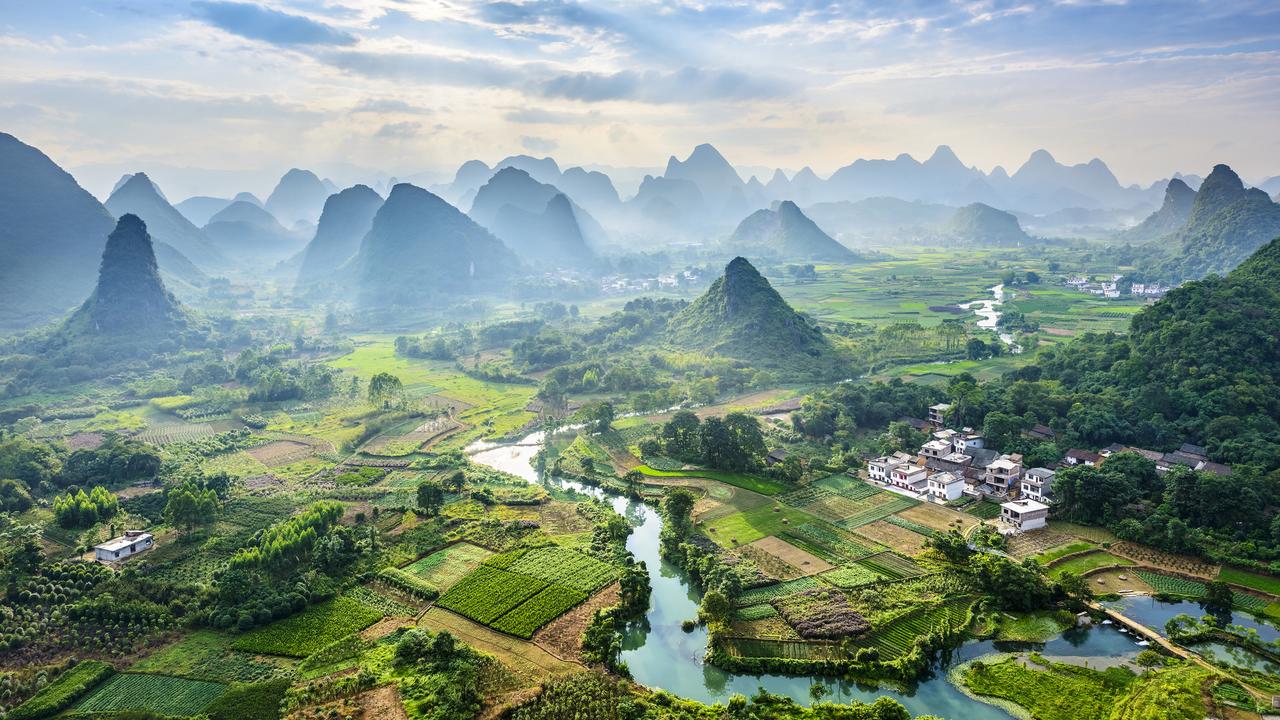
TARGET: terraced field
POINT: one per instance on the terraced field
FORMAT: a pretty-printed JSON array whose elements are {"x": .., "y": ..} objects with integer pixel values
[
  {"x": 443, "y": 568},
  {"x": 152, "y": 693}
]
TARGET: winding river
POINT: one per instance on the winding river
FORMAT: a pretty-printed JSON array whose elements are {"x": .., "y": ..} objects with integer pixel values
[
  {"x": 988, "y": 312},
  {"x": 661, "y": 655}
]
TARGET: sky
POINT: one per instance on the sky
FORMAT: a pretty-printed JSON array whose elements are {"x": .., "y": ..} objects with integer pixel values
[{"x": 242, "y": 91}]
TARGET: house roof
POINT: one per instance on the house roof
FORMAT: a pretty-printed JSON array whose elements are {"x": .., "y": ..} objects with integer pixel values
[
  {"x": 982, "y": 456},
  {"x": 1083, "y": 455},
  {"x": 1152, "y": 455},
  {"x": 1039, "y": 473},
  {"x": 121, "y": 542},
  {"x": 1024, "y": 506},
  {"x": 778, "y": 454},
  {"x": 940, "y": 406},
  {"x": 1215, "y": 468},
  {"x": 1113, "y": 448},
  {"x": 945, "y": 478},
  {"x": 1190, "y": 449},
  {"x": 1040, "y": 431},
  {"x": 1002, "y": 463},
  {"x": 1178, "y": 457}
]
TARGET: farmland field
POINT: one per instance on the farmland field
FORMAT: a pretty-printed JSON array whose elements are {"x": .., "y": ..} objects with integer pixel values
[
  {"x": 309, "y": 630},
  {"x": 207, "y": 655},
  {"x": 764, "y": 486},
  {"x": 895, "y": 503},
  {"x": 1268, "y": 584},
  {"x": 561, "y": 566},
  {"x": 745, "y": 527},
  {"x": 551, "y": 603},
  {"x": 445, "y": 567},
  {"x": 153, "y": 693},
  {"x": 488, "y": 593},
  {"x": 1086, "y": 562}
]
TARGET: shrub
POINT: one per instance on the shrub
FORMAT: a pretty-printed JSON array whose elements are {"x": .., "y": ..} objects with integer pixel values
[{"x": 59, "y": 694}]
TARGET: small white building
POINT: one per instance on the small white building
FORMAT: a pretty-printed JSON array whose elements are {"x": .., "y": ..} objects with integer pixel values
[
  {"x": 131, "y": 543},
  {"x": 963, "y": 442},
  {"x": 1037, "y": 484},
  {"x": 938, "y": 414},
  {"x": 945, "y": 486},
  {"x": 878, "y": 469},
  {"x": 935, "y": 449},
  {"x": 909, "y": 477},
  {"x": 1024, "y": 514}
]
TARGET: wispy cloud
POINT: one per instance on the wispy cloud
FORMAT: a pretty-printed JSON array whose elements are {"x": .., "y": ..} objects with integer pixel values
[
  {"x": 273, "y": 26},
  {"x": 399, "y": 130},
  {"x": 691, "y": 85}
]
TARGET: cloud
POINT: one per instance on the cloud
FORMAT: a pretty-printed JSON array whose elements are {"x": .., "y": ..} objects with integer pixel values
[
  {"x": 555, "y": 12},
  {"x": 399, "y": 130},
  {"x": 278, "y": 28},
  {"x": 388, "y": 105},
  {"x": 538, "y": 116},
  {"x": 828, "y": 117},
  {"x": 686, "y": 85},
  {"x": 428, "y": 69},
  {"x": 537, "y": 144}
]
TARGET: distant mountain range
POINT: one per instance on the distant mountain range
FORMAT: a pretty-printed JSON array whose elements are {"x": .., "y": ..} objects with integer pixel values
[
  {"x": 537, "y": 220},
  {"x": 979, "y": 224},
  {"x": 1227, "y": 222},
  {"x": 250, "y": 234},
  {"x": 129, "y": 304},
  {"x": 137, "y": 195},
  {"x": 786, "y": 233},
  {"x": 299, "y": 196},
  {"x": 346, "y": 218},
  {"x": 422, "y": 251}
]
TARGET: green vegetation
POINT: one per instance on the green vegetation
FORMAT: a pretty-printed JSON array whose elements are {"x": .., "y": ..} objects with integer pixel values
[
  {"x": 153, "y": 693},
  {"x": 256, "y": 701},
  {"x": 310, "y": 630},
  {"x": 443, "y": 568},
  {"x": 62, "y": 692},
  {"x": 1050, "y": 691},
  {"x": 764, "y": 486},
  {"x": 1087, "y": 562},
  {"x": 1263, "y": 583}
]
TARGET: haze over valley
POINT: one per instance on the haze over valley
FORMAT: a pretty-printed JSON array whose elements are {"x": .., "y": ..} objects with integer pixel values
[{"x": 541, "y": 360}]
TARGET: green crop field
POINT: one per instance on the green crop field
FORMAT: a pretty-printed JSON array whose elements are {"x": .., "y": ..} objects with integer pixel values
[
  {"x": 852, "y": 488},
  {"x": 1049, "y": 556},
  {"x": 488, "y": 593},
  {"x": 1170, "y": 585},
  {"x": 759, "y": 611},
  {"x": 984, "y": 509},
  {"x": 152, "y": 693},
  {"x": 895, "y": 504},
  {"x": 891, "y": 565},
  {"x": 207, "y": 655},
  {"x": 899, "y": 636},
  {"x": 1268, "y": 584},
  {"x": 769, "y": 592},
  {"x": 828, "y": 542},
  {"x": 561, "y": 566},
  {"x": 443, "y": 568},
  {"x": 852, "y": 576},
  {"x": 551, "y": 603},
  {"x": 309, "y": 630}
]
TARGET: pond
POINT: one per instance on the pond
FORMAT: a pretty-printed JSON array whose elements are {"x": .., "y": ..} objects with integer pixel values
[
  {"x": 1156, "y": 613},
  {"x": 661, "y": 655}
]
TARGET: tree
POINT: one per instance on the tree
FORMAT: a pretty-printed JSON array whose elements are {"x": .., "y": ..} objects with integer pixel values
[
  {"x": 189, "y": 506},
  {"x": 597, "y": 416},
  {"x": 1218, "y": 597},
  {"x": 953, "y": 546},
  {"x": 715, "y": 608},
  {"x": 1075, "y": 586},
  {"x": 385, "y": 390},
  {"x": 681, "y": 437},
  {"x": 430, "y": 497}
]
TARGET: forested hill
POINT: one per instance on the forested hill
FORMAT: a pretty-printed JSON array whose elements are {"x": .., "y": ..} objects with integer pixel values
[
  {"x": 1227, "y": 222},
  {"x": 741, "y": 316},
  {"x": 1202, "y": 365}
]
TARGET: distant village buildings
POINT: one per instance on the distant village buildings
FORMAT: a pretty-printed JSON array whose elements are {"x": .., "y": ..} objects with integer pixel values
[
  {"x": 1114, "y": 287},
  {"x": 952, "y": 464}
]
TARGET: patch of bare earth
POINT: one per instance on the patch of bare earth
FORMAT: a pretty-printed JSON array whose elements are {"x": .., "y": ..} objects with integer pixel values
[
  {"x": 385, "y": 627},
  {"x": 281, "y": 452},
  {"x": 382, "y": 704},
  {"x": 85, "y": 441},
  {"x": 563, "y": 636}
]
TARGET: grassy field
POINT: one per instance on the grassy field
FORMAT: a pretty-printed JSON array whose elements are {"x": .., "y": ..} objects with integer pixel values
[
  {"x": 309, "y": 630},
  {"x": 1053, "y": 692},
  {"x": 444, "y": 568},
  {"x": 207, "y": 655},
  {"x": 764, "y": 486},
  {"x": 1263, "y": 583},
  {"x": 1086, "y": 562},
  {"x": 751, "y": 525}
]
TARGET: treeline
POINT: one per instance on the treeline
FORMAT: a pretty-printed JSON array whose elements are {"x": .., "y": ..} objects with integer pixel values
[
  {"x": 35, "y": 468},
  {"x": 82, "y": 510},
  {"x": 289, "y": 543},
  {"x": 843, "y": 410},
  {"x": 734, "y": 442}
]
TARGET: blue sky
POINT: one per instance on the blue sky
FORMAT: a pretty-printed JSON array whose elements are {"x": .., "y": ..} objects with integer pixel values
[{"x": 406, "y": 87}]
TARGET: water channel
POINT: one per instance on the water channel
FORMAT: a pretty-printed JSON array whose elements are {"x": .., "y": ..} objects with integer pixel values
[
  {"x": 661, "y": 655},
  {"x": 988, "y": 312}
]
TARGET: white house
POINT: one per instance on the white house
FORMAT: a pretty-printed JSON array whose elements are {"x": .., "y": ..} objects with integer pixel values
[
  {"x": 945, "y": 486},
  {"x": 131, "y": 543},
  {"x": 878, "y": 469},
  {"x": 938, "y": 414},
  {"x": 1003, "y": 473},
  {"x": 936, "y": 449},
  {"x": 909, "y": 477},
  {"x": 1037, "y": 484},
  {"x": 963, "y": 442},
  {"x": 1024, "y": 514}
]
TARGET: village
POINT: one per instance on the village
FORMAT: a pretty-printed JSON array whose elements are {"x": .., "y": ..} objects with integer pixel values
[{"x": 956, "y": 468}]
